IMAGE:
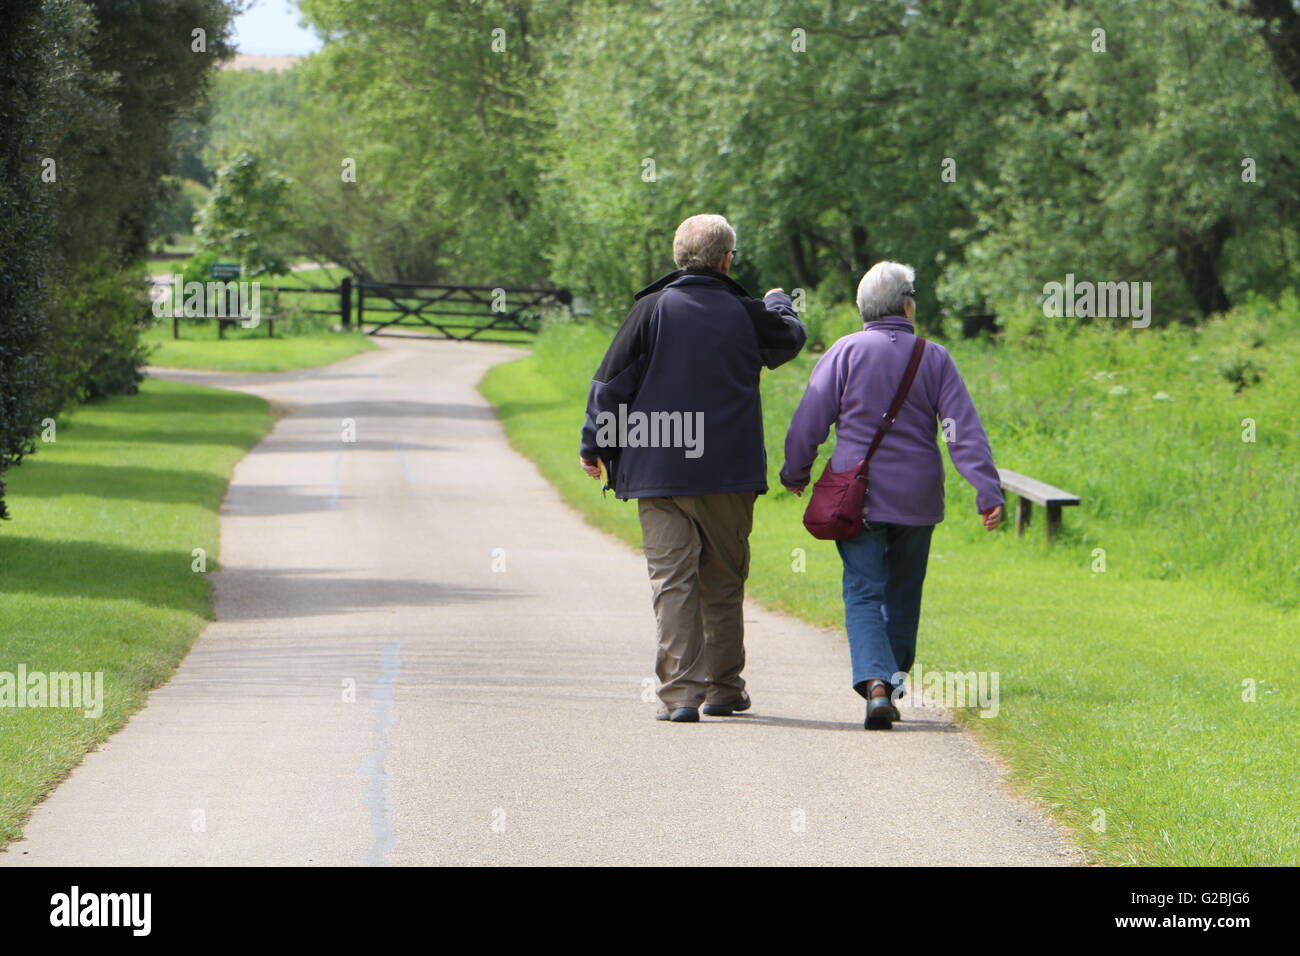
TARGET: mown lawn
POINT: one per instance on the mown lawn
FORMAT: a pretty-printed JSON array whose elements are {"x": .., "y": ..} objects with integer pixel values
[
  {"x": 96, "y": 564},
  {"x": 250, "y": 350},
  {"x": 1121, "y": 690}
]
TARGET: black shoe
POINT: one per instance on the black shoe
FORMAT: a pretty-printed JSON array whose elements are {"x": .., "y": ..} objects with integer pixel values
[
  {"x": 881, "y": 714},
  {"x": 726, "y": 710},
  {"x": 680, "y": 715}
]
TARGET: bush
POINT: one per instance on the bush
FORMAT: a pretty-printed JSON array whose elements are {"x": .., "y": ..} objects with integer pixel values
[
  {"x": 197, "y": 268},
  {"x": 93, "y": 344},
  {"x": 295, "y": 319}
]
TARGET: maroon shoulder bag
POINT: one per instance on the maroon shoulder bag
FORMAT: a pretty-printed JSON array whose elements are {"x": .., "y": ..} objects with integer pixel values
[{"x": 835, "y": 511}]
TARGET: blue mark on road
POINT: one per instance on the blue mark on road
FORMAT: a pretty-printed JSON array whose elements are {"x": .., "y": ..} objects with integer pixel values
[{"x": 380, "y": 798}]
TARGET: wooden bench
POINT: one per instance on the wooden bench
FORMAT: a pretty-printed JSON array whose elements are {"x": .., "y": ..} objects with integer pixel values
[
  {"x": 222, "y": 324},
  {"x": 1032, "y": 492}
]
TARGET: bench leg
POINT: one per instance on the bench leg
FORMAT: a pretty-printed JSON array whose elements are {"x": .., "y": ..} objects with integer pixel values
[
  {"x": 1024, "y": 510},
  {"x": 1053, "y": 523}
]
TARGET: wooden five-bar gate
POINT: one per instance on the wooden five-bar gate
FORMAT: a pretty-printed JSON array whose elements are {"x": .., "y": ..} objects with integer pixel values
[
  {"x": 482, "y": 313},
  {"x": 450, "y": 310}
]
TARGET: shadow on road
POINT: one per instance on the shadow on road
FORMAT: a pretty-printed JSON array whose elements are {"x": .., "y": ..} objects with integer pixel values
[
  {"x": 304, "y": 593},
  {"x": 933, "y": 726}
]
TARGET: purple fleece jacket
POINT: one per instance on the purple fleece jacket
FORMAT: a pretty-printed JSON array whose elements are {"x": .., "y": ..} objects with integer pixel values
[{"x": 851, "y": 388}]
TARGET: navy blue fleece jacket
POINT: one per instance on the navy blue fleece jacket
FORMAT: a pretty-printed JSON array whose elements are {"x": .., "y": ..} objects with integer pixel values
[{"x": 674, "y": 408}]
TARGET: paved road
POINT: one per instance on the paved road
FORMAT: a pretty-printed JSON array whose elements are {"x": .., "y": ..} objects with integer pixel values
[{"x": 498, "y": 715}]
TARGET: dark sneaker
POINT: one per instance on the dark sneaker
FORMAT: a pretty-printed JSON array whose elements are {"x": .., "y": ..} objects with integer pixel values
[
  {"x": 881, "y": 714},
  {"x": 680, "y": 715},
  {"x": 726, "y": 710}
]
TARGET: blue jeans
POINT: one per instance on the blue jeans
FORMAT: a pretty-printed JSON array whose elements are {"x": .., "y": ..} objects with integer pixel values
[{"x": 884, "y": 570}]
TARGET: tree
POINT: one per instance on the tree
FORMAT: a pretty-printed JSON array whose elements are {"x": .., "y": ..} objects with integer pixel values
[
  {"x": 1128, "y": 162},
  {"x": 247, "y": 215},
  {"x": 440, "y": 107},
  {"x": 37, "y": 46},
  {"x": 89, "y": 91}
]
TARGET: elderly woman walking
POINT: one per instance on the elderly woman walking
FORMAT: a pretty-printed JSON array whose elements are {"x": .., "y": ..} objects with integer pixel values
[{"x": 852, "y": 388}]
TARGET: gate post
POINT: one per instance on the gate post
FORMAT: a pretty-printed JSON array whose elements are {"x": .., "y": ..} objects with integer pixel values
[{"x": 345, "y": 302}]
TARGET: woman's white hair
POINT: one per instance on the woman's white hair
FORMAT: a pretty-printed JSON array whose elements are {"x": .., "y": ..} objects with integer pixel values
[
  {"x": 884, "y": 289},
  {"x": 703, "y": 242}
]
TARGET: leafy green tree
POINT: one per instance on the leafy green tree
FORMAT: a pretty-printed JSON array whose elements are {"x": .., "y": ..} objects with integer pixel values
[
  {"x": 994, "y": 144},
  {"x": 89, "y": 93},
  {"x": 444, "y": 109},
  {"x": 1128, "y": 162},
  {"x": 247, "y": 215},
  {"x": 153, "y": 68},
  {"x": 39, "y": 46},
  {"x": 798, "y": 120}
]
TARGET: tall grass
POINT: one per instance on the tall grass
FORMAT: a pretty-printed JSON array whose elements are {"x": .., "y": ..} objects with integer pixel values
[{"x": 1145, "y": 425}]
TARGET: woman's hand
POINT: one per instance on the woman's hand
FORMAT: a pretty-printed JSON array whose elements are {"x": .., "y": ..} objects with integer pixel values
[
  {"x": 591, "y": 467},
  {"x": 797, "y": 492},
  {"x": 993, "y": 517}
]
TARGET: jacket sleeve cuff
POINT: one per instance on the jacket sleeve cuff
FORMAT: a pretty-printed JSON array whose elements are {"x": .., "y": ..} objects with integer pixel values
[{"x": 789, "y": 482}]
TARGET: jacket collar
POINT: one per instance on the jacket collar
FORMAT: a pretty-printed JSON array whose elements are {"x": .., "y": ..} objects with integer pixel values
[
  {"x": 701, "y": 272},
  {"x": 893, "y": 324}
]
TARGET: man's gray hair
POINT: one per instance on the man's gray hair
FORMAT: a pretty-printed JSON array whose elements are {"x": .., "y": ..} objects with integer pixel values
[
  {"x": 883, "y": 290},
  {"x": 703, "y": 242}
]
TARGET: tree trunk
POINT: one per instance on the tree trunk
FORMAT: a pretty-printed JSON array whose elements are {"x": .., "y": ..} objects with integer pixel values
[
  {"x": 1197, "y": 257},
  {"x": 803, "y": 272},
  {"x": 1281, "y": 35},
  {"x": 861, "y": 255}
]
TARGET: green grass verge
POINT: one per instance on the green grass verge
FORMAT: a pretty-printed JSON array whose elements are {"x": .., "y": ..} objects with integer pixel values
[
  {"x": 1121, "y": 691},
  {"x": 95, "y": 566},
  {"x": 249, "y": 350}
]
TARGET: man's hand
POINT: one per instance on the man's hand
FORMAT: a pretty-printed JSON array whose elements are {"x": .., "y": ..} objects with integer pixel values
[
  {"x": 993, "y": 517},
  {"x": 591, "y": 467},
  {"x": 797, "y": 492}
]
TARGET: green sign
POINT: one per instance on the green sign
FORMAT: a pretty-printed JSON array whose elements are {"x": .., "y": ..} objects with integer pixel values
[{"x": 224, "y": 270}]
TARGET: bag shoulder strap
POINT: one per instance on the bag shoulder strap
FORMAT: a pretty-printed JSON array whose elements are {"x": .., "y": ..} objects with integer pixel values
[{"x": 900, "y": 396}]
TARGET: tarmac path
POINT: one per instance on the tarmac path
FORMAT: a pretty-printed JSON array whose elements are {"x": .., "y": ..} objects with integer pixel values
[{"x": 422, "y": 656}]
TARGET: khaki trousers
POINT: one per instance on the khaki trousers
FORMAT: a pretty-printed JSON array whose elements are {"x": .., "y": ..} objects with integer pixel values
[{"x": 697, "y": 551}]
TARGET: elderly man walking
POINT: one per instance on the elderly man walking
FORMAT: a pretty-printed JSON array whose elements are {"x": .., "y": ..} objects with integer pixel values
[{"x": 674, "y": 418}]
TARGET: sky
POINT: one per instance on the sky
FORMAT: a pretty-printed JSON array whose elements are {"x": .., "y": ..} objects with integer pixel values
[{"x": 270, "y": 28}]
